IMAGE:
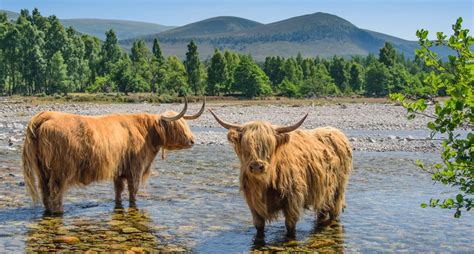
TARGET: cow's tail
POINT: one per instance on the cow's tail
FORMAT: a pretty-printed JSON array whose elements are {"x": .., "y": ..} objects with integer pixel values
[{"x": 31, "y": 167}]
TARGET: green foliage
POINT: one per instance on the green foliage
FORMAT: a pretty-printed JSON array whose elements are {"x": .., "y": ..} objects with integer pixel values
[
  {"x": 377, "y": 80},
  {"x": 388, "y": 55},
  {"x": 192, "y": 64},
  {"x": 356, "y": 77},
  {"x": 339, "y": 74},
  {"x": 101, "y": 84},
  {"x": 288, "y": 88},
  {"x": 217, "y": 74},
  {"x": 57, "y": 71},
  {"x": 319, "y": 84},
  {"x": 175, "y": 81},
  {"x": 109, "y": 54},
  {"x": 455, "y": 79},
  {"x": 250, "y": 79}
]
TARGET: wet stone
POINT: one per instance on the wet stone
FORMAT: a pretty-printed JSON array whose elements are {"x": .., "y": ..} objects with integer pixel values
[
  {"x": 130, "y": 230},
  {"x": 66, "y": 239}
]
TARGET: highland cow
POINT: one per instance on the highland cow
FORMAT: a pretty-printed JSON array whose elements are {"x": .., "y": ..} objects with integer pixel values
[
  {"x": 63, "y": 150},
  {"x": 288, "y": 170}
]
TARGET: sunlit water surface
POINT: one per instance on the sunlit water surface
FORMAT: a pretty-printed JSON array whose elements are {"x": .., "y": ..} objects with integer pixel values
[{"x": 192, "y": 203}]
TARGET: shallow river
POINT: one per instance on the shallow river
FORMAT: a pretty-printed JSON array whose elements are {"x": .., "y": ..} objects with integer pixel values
[{"x": 192, "y": 203}]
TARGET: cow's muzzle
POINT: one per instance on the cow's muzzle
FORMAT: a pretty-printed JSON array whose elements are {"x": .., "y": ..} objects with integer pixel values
[{"x": 256, "y": 167}]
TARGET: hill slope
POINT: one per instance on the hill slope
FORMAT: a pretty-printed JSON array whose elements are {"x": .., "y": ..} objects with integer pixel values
[
  {"x": 314, "y": 34},
  {"x": 97, "y": 27},
  {"x": 10, "y": 14},
  {"x": 123, "y": 28},
  {"x": 209, "y": 27}
]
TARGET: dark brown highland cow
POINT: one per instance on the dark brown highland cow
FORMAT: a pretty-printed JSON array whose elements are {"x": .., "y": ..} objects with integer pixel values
[
  {"x": 63, "y": 150},
  {"x": 285, "y": 169}
]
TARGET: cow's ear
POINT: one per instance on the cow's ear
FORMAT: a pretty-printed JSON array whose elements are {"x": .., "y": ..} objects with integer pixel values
[
  {"x": 282, "y": 138},
  {"x": 234, "y": 136}
]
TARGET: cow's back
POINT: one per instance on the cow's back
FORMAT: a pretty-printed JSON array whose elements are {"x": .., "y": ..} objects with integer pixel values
[{"x": 81, "y": 149}]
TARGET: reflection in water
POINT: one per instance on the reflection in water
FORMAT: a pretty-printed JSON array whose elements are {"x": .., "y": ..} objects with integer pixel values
[
  {"x": 124, "y": 230},
  {"x": 322, "y": 239}
]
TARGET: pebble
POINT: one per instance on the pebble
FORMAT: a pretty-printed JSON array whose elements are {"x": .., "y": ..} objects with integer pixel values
[
  {"x": 66, "y": 239},
  {"x": 129, "y": 230}
]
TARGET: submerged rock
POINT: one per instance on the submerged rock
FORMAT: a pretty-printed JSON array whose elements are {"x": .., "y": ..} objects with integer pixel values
[{"x": 66, "y": 239}]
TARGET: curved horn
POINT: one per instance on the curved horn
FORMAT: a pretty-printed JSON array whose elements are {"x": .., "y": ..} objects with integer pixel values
[
  {"x": 225, "y": 124},
  {"x": 178, "y": 116},
  {"x": 290, "y": 128},
  {"x": 192, "y": 117}
]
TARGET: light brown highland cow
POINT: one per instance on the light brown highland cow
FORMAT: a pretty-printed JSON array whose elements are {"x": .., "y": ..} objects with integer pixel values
[
  {"x": 63, "y": 150},
  {"x": 285, "y": 169}
]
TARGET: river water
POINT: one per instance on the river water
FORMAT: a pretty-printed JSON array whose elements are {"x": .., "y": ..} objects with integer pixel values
[{"x": 192, "y": 203}]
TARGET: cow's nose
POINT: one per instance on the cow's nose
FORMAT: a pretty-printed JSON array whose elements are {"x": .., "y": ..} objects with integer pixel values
[
  {"x": 191, "y": 142},
  {"x": 256, "y": 167}
]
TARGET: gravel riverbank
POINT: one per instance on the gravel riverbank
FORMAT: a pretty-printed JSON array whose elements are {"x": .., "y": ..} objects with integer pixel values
[{"x": 370, "y": 127}]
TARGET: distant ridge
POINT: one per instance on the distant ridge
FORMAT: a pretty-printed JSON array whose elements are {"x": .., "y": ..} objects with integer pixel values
[
  {"x": 97, "y": 27},
  {"x": 314, "y": 34}
]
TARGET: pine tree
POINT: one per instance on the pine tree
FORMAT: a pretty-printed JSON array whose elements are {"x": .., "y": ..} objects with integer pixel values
[
  {"x": 57, "y": 71},
  {"x": 355, "y": 77},
  {"x": 156, "y": 50},
  {"x": 338, "y": 73},
  {"x": 377, "y": 80},
  {"x": 388, "y": 55},
  {"x": 109, "y": 54},
  {"x": 192, "y": 64},
  {"x": 217, "y": 74}
]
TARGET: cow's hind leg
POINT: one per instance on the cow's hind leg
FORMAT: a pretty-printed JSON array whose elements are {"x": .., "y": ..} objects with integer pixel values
[
  {"x": 133, "y": 185},
  {"x": 119, "y": 185},
  {"x": 339, "y": 203},
  {"x": 56, "y": 192}
]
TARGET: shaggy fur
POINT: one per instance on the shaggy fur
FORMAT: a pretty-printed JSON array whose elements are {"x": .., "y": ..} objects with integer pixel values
[
  {"x": 292, "y": 171},
  {"x": 63, "y": 150}
]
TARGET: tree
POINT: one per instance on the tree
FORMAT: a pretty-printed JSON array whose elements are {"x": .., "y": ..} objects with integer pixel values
[
  {"x": 156, "y": 50},
  {"x": 456, "y": 79},
  {"x": 338, "y": 73},
  {"x": 377, "y": 80},
  {"x": 57, "y": 72},
  {"x": 232, "y": 60},
  {"x": 126, "y": 79},
  {"x": 109, "y": 54},
  {"x": 388, "y": 55},
  {"x": 355, "y": 77},
  {"x": 192, "y": 64},
  {"x": 288, "y": 89},
  {"x": 175, "y": 78},
  {"x": 250, "y": 79},
  {"x": 141, "y": 59},
  {"x": 320, "y": 83},
  {"x": 216, "y": 74}
]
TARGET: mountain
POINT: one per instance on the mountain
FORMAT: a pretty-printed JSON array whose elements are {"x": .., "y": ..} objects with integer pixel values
[
  {"x": 123, "y": 28},
  {"x": 314, "y": 34},
  {"x": 210, "y": 27},
  {"x": 10, "y": 14},
  {"x": 97, "y": 27}
]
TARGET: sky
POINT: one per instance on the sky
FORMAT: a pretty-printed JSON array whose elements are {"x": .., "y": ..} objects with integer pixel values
[{"x": 399, "y": 18}]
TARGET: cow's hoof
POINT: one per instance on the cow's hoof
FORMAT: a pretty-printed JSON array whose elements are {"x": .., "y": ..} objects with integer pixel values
[{"x": 290, "y": 234}]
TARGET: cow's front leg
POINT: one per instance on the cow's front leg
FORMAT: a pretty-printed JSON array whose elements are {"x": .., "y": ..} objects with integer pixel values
[
  {"x": 290, "y": 222},
  {"x": 132, "y": 191},
  {"x": 259, "y": 223},
  {"x": 119, "y": 186}
]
